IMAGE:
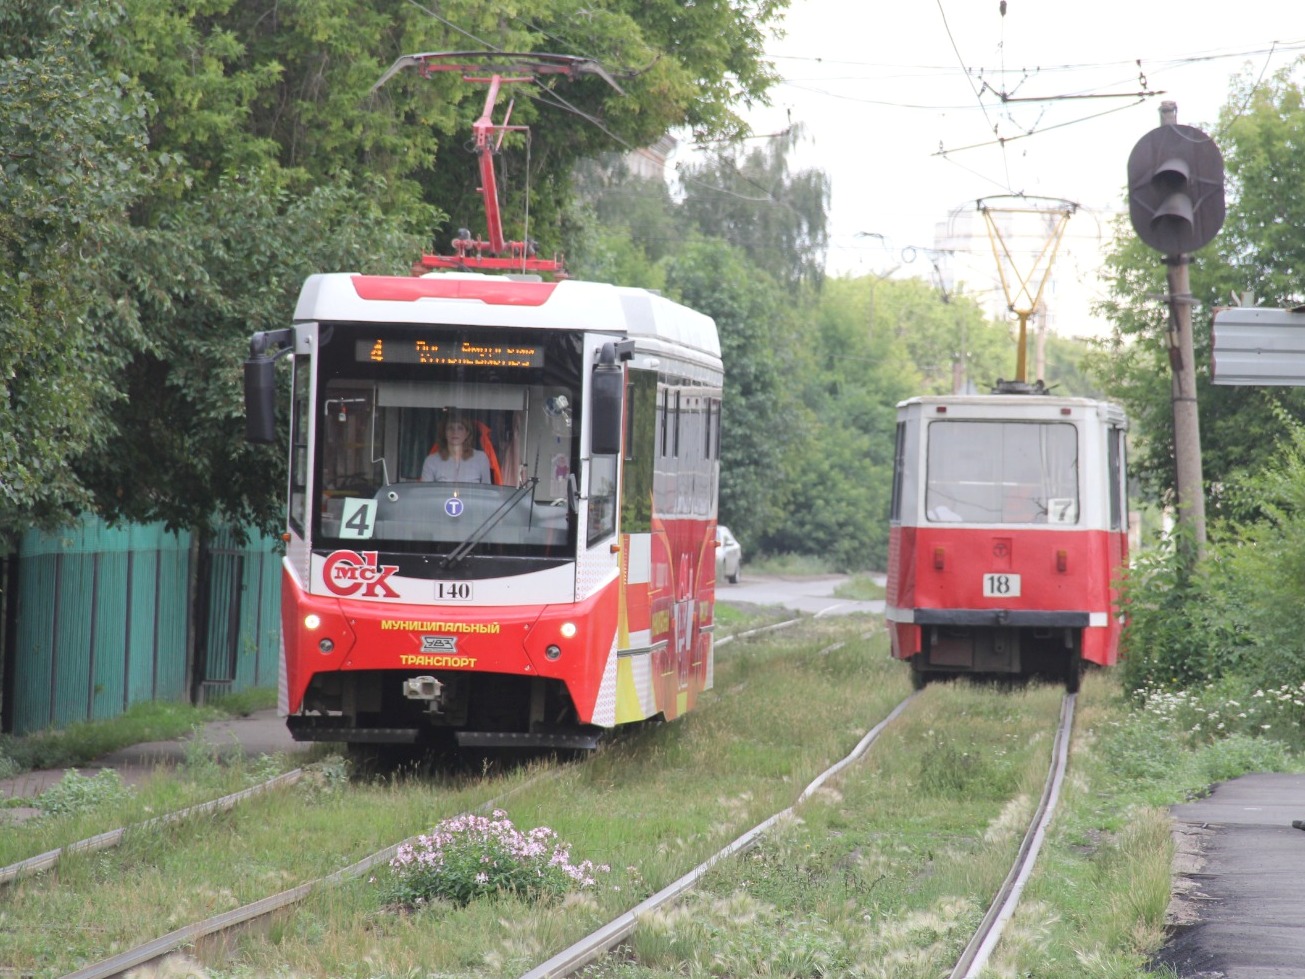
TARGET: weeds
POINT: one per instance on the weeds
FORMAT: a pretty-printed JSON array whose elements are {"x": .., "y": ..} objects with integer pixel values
[{"x": 76, "y": 793}]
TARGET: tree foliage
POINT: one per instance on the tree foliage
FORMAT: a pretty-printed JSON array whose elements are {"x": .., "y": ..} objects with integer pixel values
[
  {"x": 751, "y": 200},
  {"x": 761, "y": 420},
  {"x": 172, "y": 171},
  {"x": 814, "y": 366},
  {"x": 73, "y": 162}
]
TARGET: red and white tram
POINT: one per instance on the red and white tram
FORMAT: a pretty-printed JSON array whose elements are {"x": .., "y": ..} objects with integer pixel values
[
  {"x": 563, "y": 584},
  {"x": 1009, "y": 526}
]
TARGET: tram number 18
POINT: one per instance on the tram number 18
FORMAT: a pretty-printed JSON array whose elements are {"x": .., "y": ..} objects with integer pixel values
[{"x": 1001, "y": 586}]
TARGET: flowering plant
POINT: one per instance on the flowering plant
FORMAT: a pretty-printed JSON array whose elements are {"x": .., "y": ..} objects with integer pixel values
[
  {"x": 467, "y": 856},
  {"x": 1219, "y": 710}
]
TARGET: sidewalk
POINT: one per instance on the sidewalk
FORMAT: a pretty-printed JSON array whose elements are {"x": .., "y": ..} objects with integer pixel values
[
  {"x": 1237, "y": 882},
  {"x": 261, "y": 733}
]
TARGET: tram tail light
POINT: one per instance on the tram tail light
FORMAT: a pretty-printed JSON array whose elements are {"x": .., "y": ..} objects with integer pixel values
[
  {"x": 1062, "y": 561},
  {"x": 939, "y": 558}
]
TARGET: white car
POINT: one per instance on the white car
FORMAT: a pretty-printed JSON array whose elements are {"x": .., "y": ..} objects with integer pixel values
[{"x": 729, "y": 556}]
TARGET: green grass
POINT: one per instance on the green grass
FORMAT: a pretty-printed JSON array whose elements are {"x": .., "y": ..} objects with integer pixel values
[
  {"x": 652, "y": 804},
  {"x": 887, "y": 870},
  {"x": 882, "y": 874},
  {"x": 732, "y": 619},
  {"x": 791, "y": 564},
  {"x": 860, "y": 587}
]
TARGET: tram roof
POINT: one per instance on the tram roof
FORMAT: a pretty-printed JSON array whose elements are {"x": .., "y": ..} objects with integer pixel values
[
  {"x": 1026, "y": 404},
  {"x": 475, "y": 299}
]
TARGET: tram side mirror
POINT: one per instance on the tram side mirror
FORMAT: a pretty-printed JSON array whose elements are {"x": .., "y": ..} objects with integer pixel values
[
  {"x": 605, "y": 407},
  {"x": 265, "y": 349},
  {"x": 260, "y": 400}
]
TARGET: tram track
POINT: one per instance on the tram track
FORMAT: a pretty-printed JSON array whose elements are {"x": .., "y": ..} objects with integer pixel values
[
  {"x": 202, "y": 934},
  {"x": 251, "y": 913},
  {"x": 605, "y": 939},
  {"x": 114, "y": 837},
  {"x": 978, "y": 949},
  {"x": 611, "y": 935},
  {"x": 989, "y": 933}
]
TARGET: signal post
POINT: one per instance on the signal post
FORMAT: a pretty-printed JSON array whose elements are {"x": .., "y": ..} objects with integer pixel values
[{"x": 1176, "y": 204}]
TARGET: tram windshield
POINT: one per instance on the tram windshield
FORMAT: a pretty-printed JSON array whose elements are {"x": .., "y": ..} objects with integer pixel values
[
  {"x": 445, "y": 439},
  {"x": 1002, "y": 472}
]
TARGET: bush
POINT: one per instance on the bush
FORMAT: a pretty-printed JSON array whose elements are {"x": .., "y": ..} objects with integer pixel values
[
  {"x": 469, "y": 856},
  {"x": 1166, "y": 641}
]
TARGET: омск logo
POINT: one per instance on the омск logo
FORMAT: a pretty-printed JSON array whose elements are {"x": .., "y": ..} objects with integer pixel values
[{"x": 346, "y": 573}]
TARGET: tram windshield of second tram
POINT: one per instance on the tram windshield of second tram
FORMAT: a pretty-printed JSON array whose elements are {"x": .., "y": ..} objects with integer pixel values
[
  {"x": 429, "y": 436},
  {"x": 1002, "y": 472}
]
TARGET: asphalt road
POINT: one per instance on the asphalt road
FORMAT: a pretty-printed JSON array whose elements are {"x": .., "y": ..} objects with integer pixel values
[{"x": 813, "y": 595}]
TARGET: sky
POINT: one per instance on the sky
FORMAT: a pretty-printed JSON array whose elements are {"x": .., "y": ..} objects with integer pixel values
[{"x": 902, "y": 106}]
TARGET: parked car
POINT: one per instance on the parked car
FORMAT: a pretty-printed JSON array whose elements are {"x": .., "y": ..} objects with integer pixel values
[{"x": 729, "y": 556}]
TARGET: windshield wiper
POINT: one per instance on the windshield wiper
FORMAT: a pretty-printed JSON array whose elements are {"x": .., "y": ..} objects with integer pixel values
[{"x": 456, "y": 555}]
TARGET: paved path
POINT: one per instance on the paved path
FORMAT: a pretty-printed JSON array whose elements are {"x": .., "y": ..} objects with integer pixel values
[
  {"x": 261, "y": 733},
  {"x": 1241, "y": 882}
]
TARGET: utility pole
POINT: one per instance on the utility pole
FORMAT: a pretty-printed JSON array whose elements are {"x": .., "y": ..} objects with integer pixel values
[{"x": 1176, "y": 202}]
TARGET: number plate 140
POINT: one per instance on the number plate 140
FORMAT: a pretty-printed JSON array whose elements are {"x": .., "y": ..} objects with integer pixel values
[
  {"x": 452, "y": 591},
  {"x": 1001, "y": 586}
]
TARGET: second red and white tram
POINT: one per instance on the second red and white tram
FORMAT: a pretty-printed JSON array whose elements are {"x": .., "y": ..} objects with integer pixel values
[
  {"x": 1009, "y": 527},
  {"x": 563, "y": 584}
]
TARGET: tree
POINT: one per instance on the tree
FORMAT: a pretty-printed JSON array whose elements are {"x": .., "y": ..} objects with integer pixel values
[
  {"x": 777, "y": 218},
  {"x": 762, "y": 419},
  {"x": 174, "y": 170},
  {"x": 73, "y": 163},
  {"x": 221, "y": 266},
  {"x": 239, "y": 85}
]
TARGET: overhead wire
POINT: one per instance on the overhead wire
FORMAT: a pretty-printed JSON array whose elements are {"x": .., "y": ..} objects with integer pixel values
[
  {"x": 1154, "y": 68},
  {"x": 978, "y": 95}
]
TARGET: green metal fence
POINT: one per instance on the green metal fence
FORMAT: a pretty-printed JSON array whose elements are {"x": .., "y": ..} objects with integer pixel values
[{"x": 104, "y": 617}]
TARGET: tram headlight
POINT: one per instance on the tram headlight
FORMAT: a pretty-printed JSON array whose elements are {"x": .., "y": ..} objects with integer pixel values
[
  {"x": 312, "y": 621},
  {"x": 326, "y": 644},
  {"x": 568, "y": 630},
  {"x": 553, "y": 651}
]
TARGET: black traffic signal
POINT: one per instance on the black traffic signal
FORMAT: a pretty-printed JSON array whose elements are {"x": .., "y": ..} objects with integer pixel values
[{"x": 1175, "y": 189}]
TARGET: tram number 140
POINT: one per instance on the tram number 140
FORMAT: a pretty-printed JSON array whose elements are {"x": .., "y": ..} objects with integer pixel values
[
  {"x": 452, "y": 591},
  {"x": 1001, "y": 586}
]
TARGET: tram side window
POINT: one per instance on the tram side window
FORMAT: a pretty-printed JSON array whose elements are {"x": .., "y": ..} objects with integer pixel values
[
  {"x": 1002, "y": 472},
  {"x": 899, "y": 464},
  {"x": 300, "y": 415},
  {"x": 640, "y": 447},
  {"x": 1118, "y": 490},
  {"x": 602, "y": 498}
]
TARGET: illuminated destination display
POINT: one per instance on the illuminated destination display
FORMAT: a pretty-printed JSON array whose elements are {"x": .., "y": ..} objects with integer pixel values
[{"x": 449, "y": 353}]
